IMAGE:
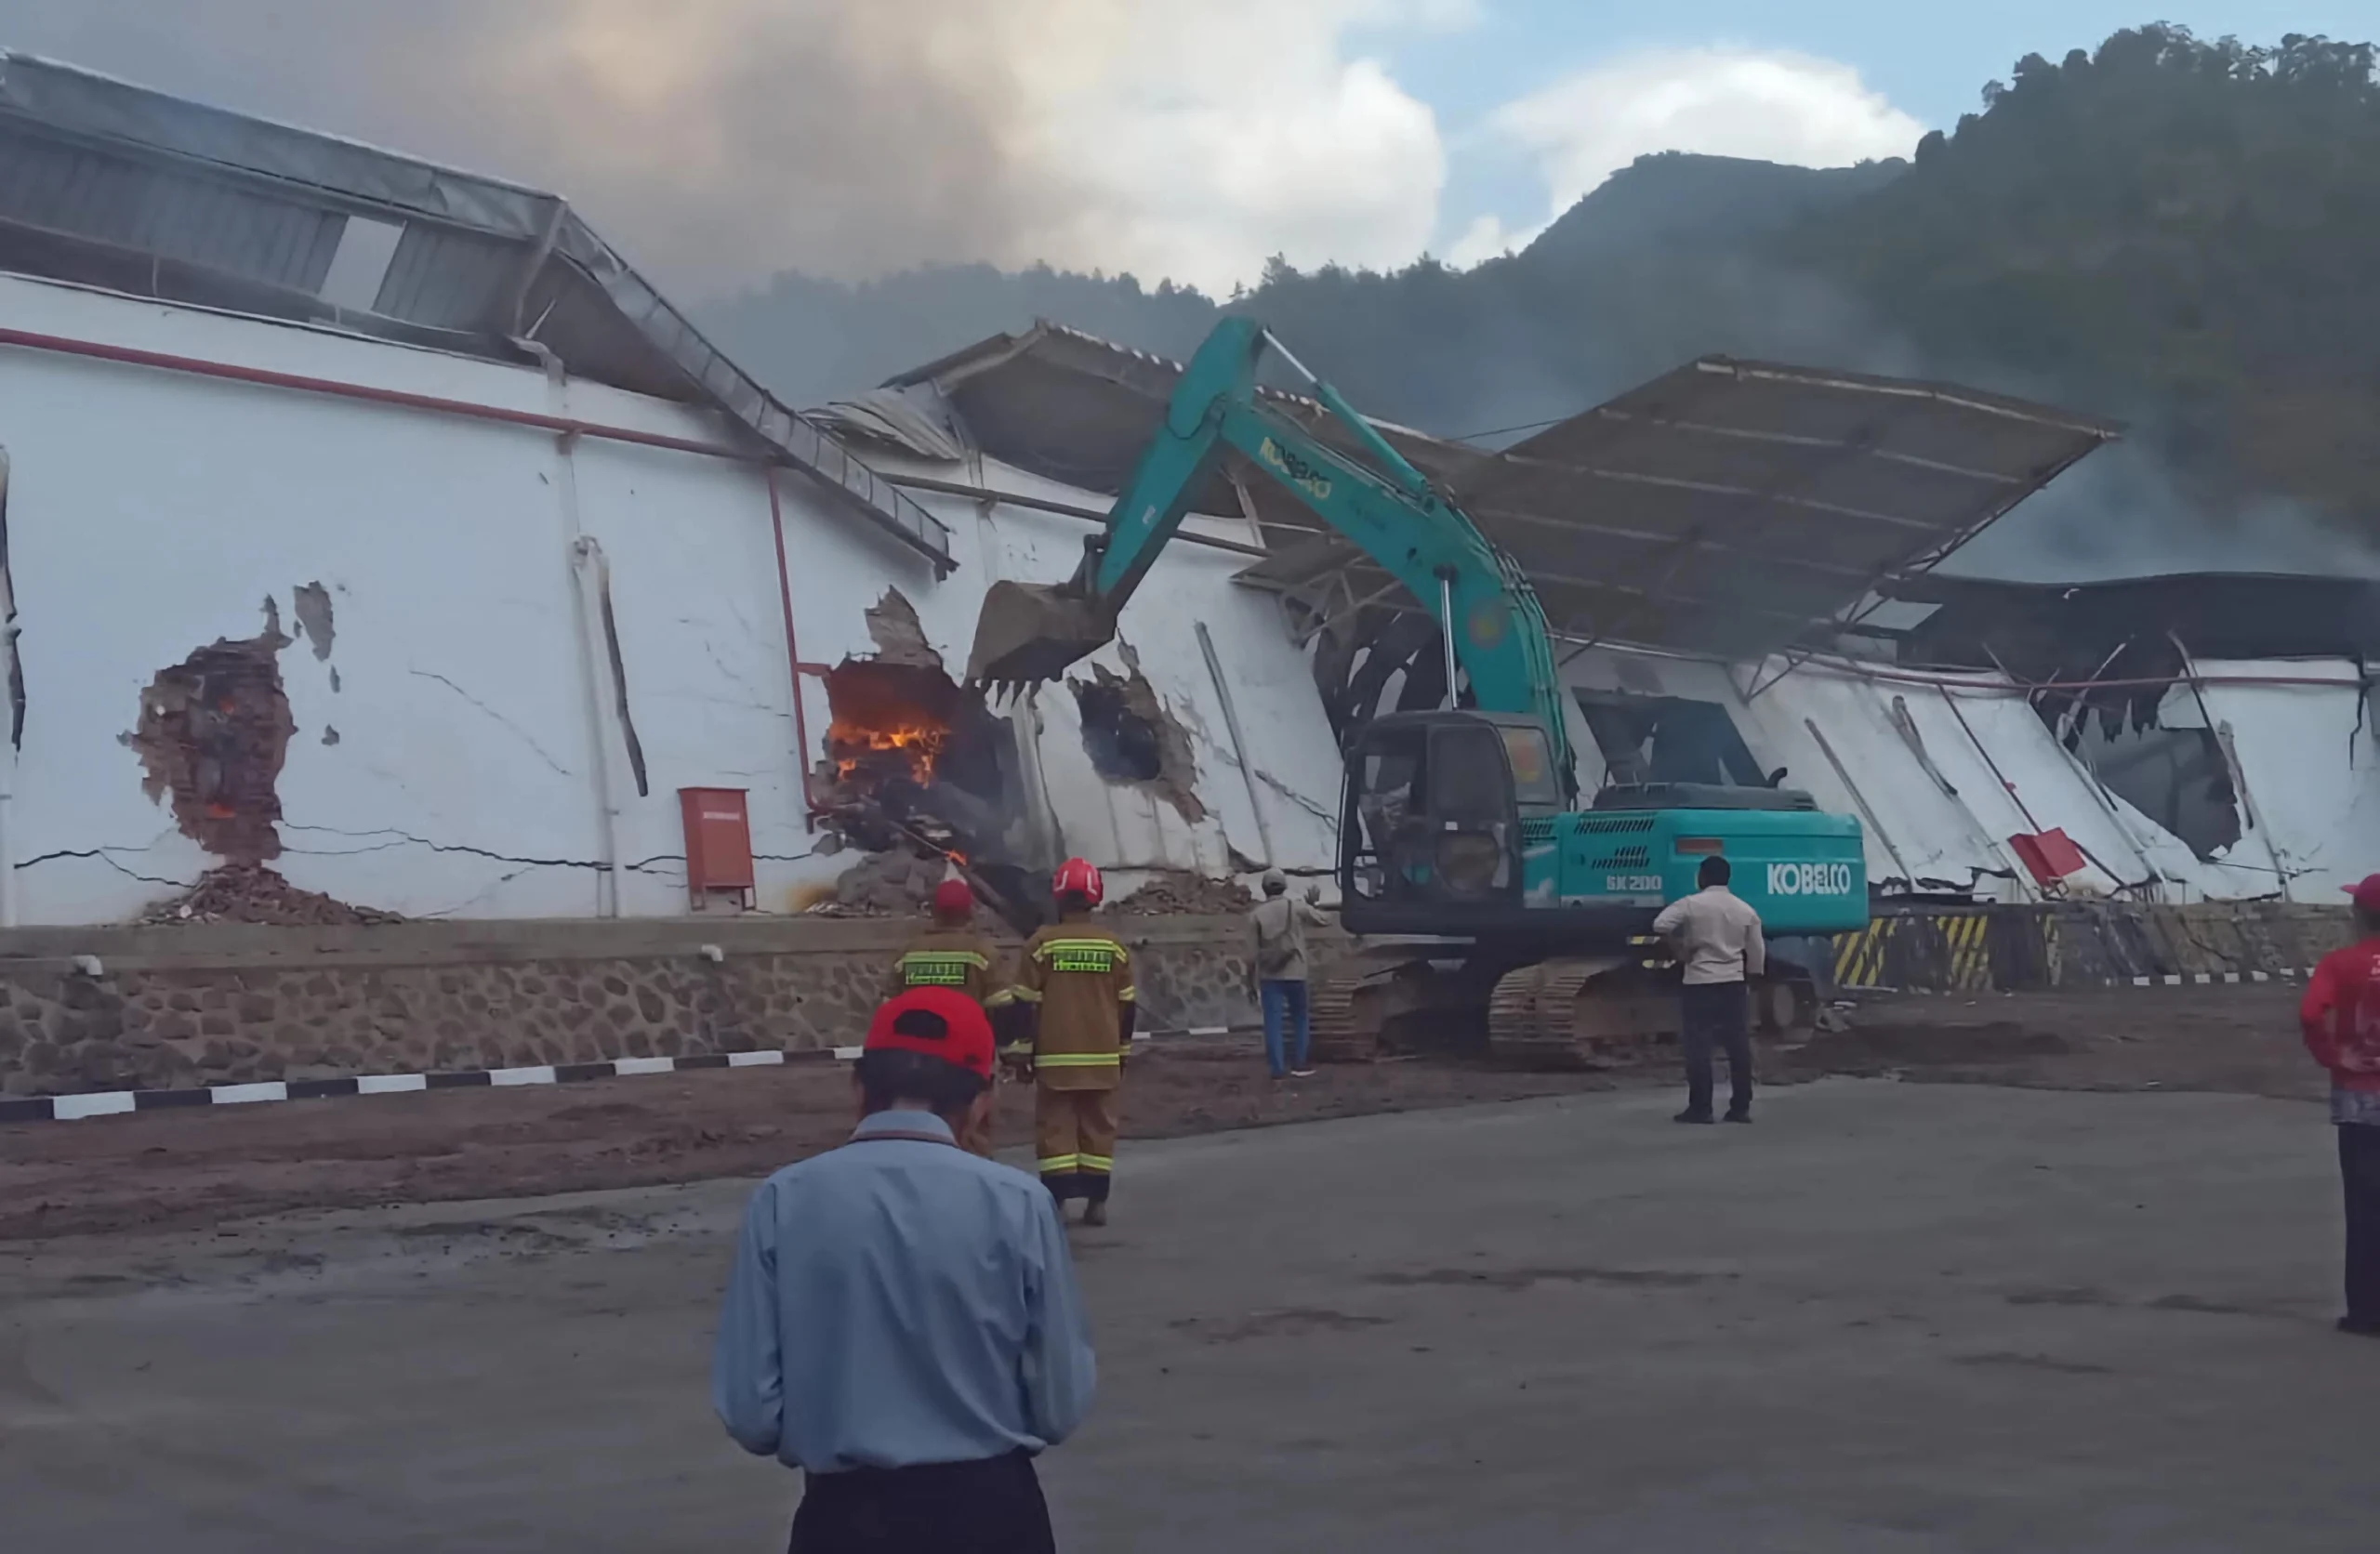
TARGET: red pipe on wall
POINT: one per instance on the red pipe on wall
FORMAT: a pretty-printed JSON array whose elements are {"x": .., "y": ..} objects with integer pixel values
[
  {"x": 431, "y": 403},
  {"x": 436, "y": 405},
  {"x": 792, "y": 656}
]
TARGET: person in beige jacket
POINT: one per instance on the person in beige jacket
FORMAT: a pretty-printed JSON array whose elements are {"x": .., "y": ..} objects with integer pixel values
[{"x": 1715, "y": 934}]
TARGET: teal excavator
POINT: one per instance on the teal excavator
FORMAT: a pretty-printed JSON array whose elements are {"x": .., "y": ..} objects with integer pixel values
[{"x": 1492, "y": 904}]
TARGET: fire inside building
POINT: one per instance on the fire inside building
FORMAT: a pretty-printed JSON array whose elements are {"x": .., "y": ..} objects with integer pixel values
[{"x": 455, "y": 553}]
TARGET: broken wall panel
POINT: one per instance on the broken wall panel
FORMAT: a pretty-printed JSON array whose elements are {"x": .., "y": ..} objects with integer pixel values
[
  {"x": 1907, "y": 755},
  {"x": 424, "y": 563},
  {"x": 212, "y": 736},
  {"x": 444, "y": 658},
  {"x": 2308, "y": 763}
]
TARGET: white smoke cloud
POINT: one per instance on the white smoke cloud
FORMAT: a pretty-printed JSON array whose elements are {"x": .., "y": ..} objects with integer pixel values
[
  {"x": 1772, "y": 105},
  {"x": 718, "y": 141}
]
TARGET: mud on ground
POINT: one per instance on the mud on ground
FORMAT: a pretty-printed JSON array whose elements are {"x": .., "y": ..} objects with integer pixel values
[{"x": 171, "y": 1170}]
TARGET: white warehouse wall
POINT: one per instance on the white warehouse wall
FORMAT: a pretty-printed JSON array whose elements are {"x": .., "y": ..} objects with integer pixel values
[
  {"x": 1996, "y": 770},
  {"x": 152, "y": 512}
]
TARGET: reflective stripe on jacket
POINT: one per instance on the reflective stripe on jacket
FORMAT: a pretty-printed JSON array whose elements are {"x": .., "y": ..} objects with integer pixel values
[
  {"x": 961, "y": 959},
  {"x": 1078, "y": 978}
]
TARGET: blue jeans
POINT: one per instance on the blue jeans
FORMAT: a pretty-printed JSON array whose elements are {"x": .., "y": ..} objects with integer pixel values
[{"x": 1284, "y": 999}]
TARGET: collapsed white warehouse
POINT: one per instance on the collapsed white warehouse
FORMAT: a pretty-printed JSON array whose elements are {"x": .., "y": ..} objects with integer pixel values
[{"x": 375, "y": 523}]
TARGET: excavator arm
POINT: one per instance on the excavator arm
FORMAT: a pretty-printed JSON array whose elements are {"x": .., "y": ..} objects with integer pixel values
[{"x": 1486, "y": 608}]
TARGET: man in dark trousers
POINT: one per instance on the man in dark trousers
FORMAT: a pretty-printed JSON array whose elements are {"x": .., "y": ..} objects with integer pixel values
[
  {"x": 1715, "y": 934},
  {"x": 902, "y": 1322},
  {"x": 2341, "y": 1018}
]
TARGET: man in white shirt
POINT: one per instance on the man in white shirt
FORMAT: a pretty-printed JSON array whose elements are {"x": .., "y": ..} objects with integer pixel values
[{"x": 1715, "y": 934}]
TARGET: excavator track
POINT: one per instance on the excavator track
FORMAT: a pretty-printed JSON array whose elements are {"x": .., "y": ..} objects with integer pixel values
[
  {"x": 1578, "y": 1011},
  {"x": 1590, "y": 1010},
  {"x": 1392, "y": 997},
  {"x": 1567, "y": 1012}
]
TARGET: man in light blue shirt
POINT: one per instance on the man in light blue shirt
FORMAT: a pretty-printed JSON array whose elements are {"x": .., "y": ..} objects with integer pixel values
[{"x": 902, "y": 1322}]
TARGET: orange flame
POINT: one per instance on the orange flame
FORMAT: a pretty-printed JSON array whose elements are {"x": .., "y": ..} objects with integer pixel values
[{"x": 851, "y": 743}]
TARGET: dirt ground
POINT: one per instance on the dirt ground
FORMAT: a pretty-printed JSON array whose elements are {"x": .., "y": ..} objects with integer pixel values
[{"x": 177, "y": 1169}]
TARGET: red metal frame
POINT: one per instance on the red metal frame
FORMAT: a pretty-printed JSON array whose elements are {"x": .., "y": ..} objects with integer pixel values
[
  {"x": 434, "y": 404},
  {"x": 795, "y": 667}
]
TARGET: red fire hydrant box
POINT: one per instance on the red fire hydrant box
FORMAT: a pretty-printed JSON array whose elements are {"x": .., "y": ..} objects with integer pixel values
[{"x": 719, "y": 843}]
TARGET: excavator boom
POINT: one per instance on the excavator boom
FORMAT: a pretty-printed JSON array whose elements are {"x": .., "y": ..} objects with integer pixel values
[
  {"x": 1490, "y": 615},
  {"x": 1506, "y": 913}
]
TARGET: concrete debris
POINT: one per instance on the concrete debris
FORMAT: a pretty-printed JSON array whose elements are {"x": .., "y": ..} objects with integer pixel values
[
  {"x": 891, "y": 883},
  {"x": 1186, "y": 895},
  {"x": 899, "y": 637},
  {"x": 252, "y": 893}
]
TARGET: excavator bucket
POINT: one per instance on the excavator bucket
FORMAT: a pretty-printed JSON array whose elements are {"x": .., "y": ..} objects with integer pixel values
[{"x": 1031, "y": 632}]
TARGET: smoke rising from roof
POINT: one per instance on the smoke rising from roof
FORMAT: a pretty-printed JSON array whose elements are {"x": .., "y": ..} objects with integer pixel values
[{"x": 718, "y": 141}]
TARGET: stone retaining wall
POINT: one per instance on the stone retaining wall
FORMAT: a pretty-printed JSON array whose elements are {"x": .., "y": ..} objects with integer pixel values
[{"x": 173, "y": 1007}]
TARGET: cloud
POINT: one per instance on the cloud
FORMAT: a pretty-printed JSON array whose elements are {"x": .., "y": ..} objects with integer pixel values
[
  {"x": 718, "y": 141},
  {"x": 1771, "y": 105}
]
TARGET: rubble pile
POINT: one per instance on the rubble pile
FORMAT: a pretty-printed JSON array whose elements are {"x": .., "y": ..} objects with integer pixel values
[
  {"x": 898, "y": 883},
  {"x": 1188, "y": 895},
  {"x": 252, "y": 893}
]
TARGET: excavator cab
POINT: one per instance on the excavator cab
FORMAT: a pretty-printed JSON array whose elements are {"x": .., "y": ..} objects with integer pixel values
[{"x": 1446, "y": 815}]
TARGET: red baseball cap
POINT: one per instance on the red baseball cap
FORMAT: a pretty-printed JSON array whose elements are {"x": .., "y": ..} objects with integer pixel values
[
  {"x": 937, "y": 1021},
  {"x": 2366, "y": 892}
]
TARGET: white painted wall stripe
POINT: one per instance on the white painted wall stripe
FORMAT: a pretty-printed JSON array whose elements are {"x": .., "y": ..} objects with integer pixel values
[
  {"x": 754, "y": 1060},
  {"x": 72, "y": 1108},
  {"x": 505, "y": 1078},
  {"x": 249, "y": 1095},
  {"x": 626, "y": 1066},
  {"x": 390, "y": 1084}
]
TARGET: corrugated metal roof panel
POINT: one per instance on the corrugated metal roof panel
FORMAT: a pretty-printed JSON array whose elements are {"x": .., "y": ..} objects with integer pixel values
[
  {"x": 1713, "y": 508},
  {"x": 1725, "y": 508},
  {"x": 450, "y": 279},
  {"x": 102, "y": 182},
  {"x": 199, "y": 221}
]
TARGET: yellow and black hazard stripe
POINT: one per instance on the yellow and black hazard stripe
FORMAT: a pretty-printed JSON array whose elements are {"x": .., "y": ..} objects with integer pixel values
[{"x": 1947, "y": 952}]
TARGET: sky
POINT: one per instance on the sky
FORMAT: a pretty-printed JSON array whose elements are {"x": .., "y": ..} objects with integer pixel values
[{"x": 718, "y": 142}]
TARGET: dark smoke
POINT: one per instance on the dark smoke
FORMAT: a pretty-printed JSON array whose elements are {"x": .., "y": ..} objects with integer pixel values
[{"x": 713, "y": 140}]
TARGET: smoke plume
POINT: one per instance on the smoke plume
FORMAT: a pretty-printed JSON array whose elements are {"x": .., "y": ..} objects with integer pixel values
[{"x": 719, "y": 141}]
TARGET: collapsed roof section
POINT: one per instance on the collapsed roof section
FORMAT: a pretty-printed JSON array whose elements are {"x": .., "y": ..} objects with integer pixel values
[
  {"x": 1726, "y": 509},
  {"x": 107, "y": 184},
  {"x": 2042, "y": 632},
  {"x": 1729, "y": 507}
]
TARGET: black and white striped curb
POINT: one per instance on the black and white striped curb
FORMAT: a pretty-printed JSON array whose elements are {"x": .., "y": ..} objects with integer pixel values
[
  {"x": 2170, "y": 978},
  {"x": 112, "y": 1103}
]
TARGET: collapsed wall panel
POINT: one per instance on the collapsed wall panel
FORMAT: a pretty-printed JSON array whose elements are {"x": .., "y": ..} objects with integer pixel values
[{"x": 2299, "y": 737}]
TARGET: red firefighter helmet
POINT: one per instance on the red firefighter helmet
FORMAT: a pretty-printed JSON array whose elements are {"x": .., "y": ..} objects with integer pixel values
[
  {"x": 1076, "y": 876},
  {"x": 954, "y": 897}
]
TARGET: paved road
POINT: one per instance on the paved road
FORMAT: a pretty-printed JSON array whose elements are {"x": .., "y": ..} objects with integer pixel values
[{"x": 1890, "y": 1318}]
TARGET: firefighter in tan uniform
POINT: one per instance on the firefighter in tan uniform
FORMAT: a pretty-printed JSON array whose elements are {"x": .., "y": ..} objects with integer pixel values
[
  {"x": 953, "y": 955},
  {"x": 1076, "y": 980}
]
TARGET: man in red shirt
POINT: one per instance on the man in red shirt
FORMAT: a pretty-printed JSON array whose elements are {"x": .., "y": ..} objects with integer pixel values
[{"x": 2341, "y": 1018}]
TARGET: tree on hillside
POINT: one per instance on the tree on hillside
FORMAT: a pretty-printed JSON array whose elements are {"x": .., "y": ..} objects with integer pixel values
[
  {"x": 2183, "y": 233},
  {"x": 2178, "y": 230}
]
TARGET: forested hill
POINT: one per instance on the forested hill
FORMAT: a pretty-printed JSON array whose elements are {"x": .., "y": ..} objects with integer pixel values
[{"x": 2179, "y": 232}]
